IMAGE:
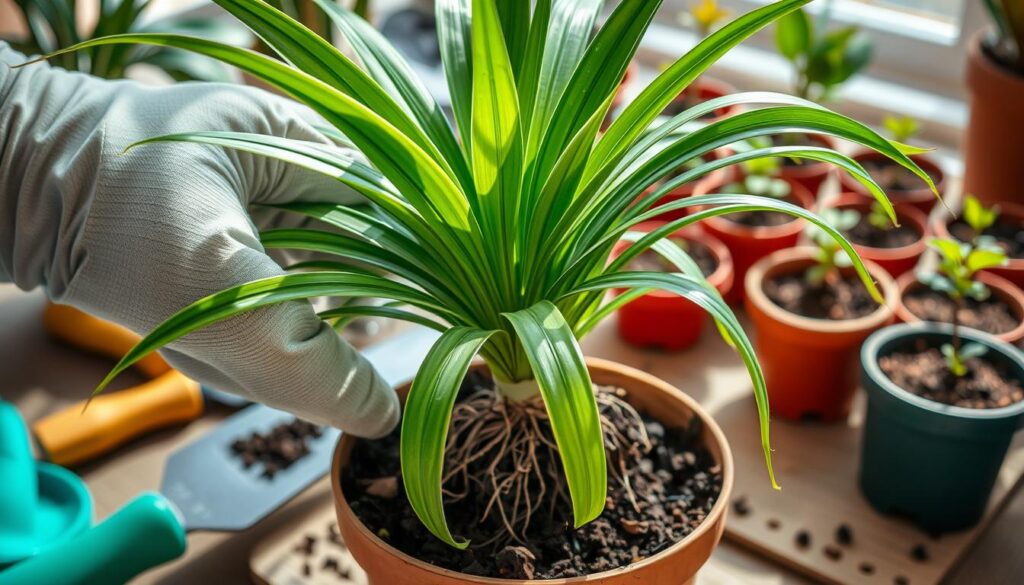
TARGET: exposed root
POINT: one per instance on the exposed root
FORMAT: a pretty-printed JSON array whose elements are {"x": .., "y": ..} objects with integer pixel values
[{"x": 504, "y": 454}]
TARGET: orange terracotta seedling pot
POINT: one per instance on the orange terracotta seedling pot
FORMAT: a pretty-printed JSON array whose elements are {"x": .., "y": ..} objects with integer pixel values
[
  {"x": 810, "y": 365},
  {"x": 676, "y": 565},
  {"x": 667, "y": 320},
  {"x": 1000, "y": 287},
  {"x": 895, "y": 261},
  {"x": 922, "y": 198},
  {"x": 748, "y": 244},
  {"x": 1014, "y": 268}
]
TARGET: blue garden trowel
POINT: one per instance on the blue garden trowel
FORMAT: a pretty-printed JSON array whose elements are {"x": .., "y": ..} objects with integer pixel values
[{"x": 204, "y": 488}]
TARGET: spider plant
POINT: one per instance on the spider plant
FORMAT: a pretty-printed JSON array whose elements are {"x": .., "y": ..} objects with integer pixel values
[
  {"x": 52, "y": 26},
  {"x": 499, "y": 232}
]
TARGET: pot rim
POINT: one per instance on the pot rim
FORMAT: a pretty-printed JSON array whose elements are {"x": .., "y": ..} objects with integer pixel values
[
  {"x": 803, "y": 256},
  {"x": 724, "y": 271},
  {"x": 985, "y": 65},
  {"x": 904, "y": 211},
  {"x": 920, "y": 195},
  {"x": 871, "y": 349},
  {"x": 804, "y": 198},
  {"x": 1009, "y": 292},
  {"x": 1011, "y": 209},
  {"x": 710, "y": 521}
]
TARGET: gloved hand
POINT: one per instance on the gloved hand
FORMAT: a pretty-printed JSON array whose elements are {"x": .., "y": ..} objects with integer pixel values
[{"x": 135, "y": 237}]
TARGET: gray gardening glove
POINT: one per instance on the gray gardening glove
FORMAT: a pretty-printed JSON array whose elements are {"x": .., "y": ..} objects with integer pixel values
[{"x": 135, "y": 237}]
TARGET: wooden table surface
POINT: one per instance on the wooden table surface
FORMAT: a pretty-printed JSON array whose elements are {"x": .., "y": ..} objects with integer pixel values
[{"x": 39, "y": 376}]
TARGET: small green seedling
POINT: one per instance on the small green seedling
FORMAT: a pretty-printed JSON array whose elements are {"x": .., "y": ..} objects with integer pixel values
[
  {"x": 830, "y": 257},
  {"x": 878, "y": 217},
  {"x": 959, "y": 264},
  {"x": 761, "y": 175},
  {"x": 823, "y": 60},
  {"x": 980, "y": 218},
  {"x": 901, "y": 128}
]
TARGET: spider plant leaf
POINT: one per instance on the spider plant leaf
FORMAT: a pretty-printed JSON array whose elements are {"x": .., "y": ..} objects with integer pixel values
[
  {"x": 453, "y": 37},
  {"x": 428, "y": 412},
  {"x": 514, "y": 16},
  {"x": 391, "y": 71},
  {"x": 695, "y": 291},
  {"x": 557, "y": 362},
  {"x": 383, "y": 312},
  {"x": 261, "y": 293}
]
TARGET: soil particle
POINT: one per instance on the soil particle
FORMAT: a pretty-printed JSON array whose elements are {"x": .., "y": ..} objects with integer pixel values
[
  {"x": 836, "y": 300},
  {"x": 992, "y": 315},
  {"x": 383, "y": 487},
  {"x": 773, "y": 524},
  {"x": 675, "y": 485},
  {"x": 306, "y": 570},
  {"x": 901, "y": 580},
  {"x": 741, "y": 506},
  {"x": 844, "y": 535},
  {"x": 919, "y": 553},
  {"x": 866, "y": 234},
  {"x": 305, "y": 548},
  {"x": 892, "y": 177},
  {"x": 923, "y": 371},
  {"x": 803, "y": 539},
  {"x": 867, "y": 568},
  {"x": 833, "y": 552},
  {"x": 1007, "y": 231},
  {"x": 651, "y": 261},
  {"x": 277, "y": 449}
]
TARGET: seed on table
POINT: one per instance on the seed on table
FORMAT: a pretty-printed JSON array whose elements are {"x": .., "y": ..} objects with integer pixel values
[
  {"x": 741, "y": 506},
  {"x": 306, "y": 570},
  {"x": 773, "y": 524},
  {"x": 867, "y": 568},
  {"x": 901, "y": 580},
  {"x": 919, "y": 553},
  {"x": 833, "y": 552},
  {"x": 844, "y": 534},
  {"x": 803, "y": 539}
]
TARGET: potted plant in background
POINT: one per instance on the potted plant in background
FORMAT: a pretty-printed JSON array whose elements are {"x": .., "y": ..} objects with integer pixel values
[
  {"x": 943, "y": 404},
  {"x": 811, "y": 313},
  {"x": 896, "y": 248},
  {"x": 903, "y": 188},
  {"x": 1002, "y": 225},
  {"x": 753, "y": 235},
  {"x": 55, "y": 26},
  {"x": 960, "y": 292},
  {"x": 822, "y": 60},
  {"x": 995, "y": 79},
  {"x": 501, "y": 241},
  {"x": 661, "y": 319}
]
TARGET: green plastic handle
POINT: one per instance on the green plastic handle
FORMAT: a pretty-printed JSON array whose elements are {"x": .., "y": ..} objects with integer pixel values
[{"x": 144, "y": 533}]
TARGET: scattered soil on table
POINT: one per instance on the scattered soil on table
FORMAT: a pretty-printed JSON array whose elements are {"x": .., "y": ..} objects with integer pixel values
[
  {"x": 891, "y": 177},
  {"x": 759, "y": 218},
  {"x": 651, "y": 261},
  {"x": 866, "y": 234},
  {"x": 675, "y": 484},
  {"x": 279, "y": 448},
  {"x": 992, "y": 315},
  {"x": 835, "y": 299},
  {"x": 795, "y": 140},
  {"x": 923, "y": 371},
  {"x": 1008, "y": 233}
]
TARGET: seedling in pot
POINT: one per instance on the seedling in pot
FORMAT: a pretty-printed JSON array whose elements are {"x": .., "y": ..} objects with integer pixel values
[
  {"x": 499, "y": 233},
  {"x": 823, "y": 60},
  {"x": 830, "y": 256},
  {"x": 901, "y": 128},
  {"x": 879, "y": 219},
  {"x": 959, "y": 262},
  {"x": 760, "y": 176}
]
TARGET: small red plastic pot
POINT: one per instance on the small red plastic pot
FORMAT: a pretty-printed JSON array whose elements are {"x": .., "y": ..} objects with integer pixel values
[
  {"x": 921, "y": 198},
  {"x": 895, "y": 261},
  {"x": 748, "y": 244},
  {"x": 810, "y": 365},
  {"x": 811, "y": 174},
  {"x": 1014, "y": 268},
  {"x": 666, "y": 320}
]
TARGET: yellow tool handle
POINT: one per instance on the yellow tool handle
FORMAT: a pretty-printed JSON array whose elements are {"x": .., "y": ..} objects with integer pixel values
[
  {"x": 95, "y": 335},
  {"x": 72, "y": 436}
]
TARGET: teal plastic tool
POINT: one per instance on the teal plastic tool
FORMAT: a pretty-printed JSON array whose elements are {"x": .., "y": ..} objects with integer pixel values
[
  {"x": 204, "y": 488},
  {"x": 41, "y": 505}
]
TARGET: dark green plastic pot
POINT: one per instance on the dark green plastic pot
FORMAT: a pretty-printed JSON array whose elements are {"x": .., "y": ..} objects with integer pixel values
[{"x": 932, "y": 463}]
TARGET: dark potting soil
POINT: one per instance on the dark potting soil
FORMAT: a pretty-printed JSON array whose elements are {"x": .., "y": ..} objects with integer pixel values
[
  {"x": 866, "y": 234},
  {"x": 757, "y": 218},
  {"x": 1008, "y": 233},
  {"x": 890, "y": 176},
  {"x": 651, "y": 261},
  {"x": 835, "y": 299},
  {"x": 924, "y": 372},
  {"x": 675, "y": 484},
  {"x": 277, "y": 449},
  {"x": 795, "y": 140},
  {"x": 992, "y": 315}
]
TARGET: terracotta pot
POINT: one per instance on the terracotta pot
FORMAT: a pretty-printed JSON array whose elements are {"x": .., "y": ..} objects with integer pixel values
[
  {"x": 1000, "y": 287},
  {"x": 992, "y": 165},
  {"x": 812, "y": 174},
  {"x": 810, "y": 365},
  {"x": 921, "y": 198},
  {"x": 749, "y": 244},
  {"x": 675, "y": 565},
  {"x": 895, "y": 261},
  {"x": 667, "y": 320},
  {"x": 1014, "y": 269}
]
